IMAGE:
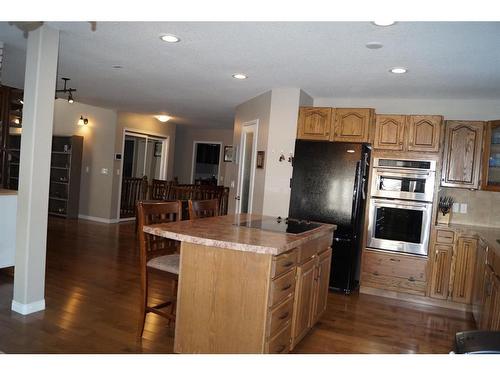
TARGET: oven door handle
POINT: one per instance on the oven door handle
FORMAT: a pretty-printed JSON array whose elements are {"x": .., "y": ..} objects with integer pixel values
[
  {"x": 401, "y": 173},
  {"x": 386, "y": 203}
]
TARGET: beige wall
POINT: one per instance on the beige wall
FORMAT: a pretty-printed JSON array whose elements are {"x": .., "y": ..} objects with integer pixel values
[
  {"x": 285, "y": 105},
  {"x": 483, "y": 207},
  {"x": 142, "y": 123},
  {"x": 184, "y": 144},
  {"x": 98, "y": 135},
  {"x": 258, "y": 108}
]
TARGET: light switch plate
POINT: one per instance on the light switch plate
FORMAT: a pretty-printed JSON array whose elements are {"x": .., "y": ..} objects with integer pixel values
[
  {"x": 463, "y": 208},
  {"x": 456, "y": 207}
]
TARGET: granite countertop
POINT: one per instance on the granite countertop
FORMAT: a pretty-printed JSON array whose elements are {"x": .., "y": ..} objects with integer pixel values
[
  {"x": 8, "y": 192},
  {"x": 220, "y": 232}
]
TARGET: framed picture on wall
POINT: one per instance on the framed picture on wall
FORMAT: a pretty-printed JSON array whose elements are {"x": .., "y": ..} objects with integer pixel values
[
  {"x": 228, "y": 153},
  {"x": 260, "y": 159}
]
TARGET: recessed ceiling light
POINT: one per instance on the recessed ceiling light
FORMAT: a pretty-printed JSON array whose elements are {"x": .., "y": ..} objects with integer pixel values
[
  {"x": 398, "y": 70},
  {"x": 374, "y": 45},
  {"x": 240, "y": 76},
  {"x": 170, "y": 38},
  {"x": 117, "y": 66},
  {"x": 384, "y": 23},
  {"x": 163, "y": 118}
]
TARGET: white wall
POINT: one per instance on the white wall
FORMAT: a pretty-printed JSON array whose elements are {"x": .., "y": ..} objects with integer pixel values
[
  {"x": 98, "y": 140},
  {"x": 285, "y": 103}
]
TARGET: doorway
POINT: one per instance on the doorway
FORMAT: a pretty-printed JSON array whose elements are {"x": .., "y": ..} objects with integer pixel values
[
  {"x": 246, "y": 173},
  {"x": 144, "y": 159},
  {"x": 205, "y": 169}
]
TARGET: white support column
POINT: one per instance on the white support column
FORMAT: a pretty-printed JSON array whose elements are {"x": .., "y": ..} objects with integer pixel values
[{"x": 34, "y": 172}]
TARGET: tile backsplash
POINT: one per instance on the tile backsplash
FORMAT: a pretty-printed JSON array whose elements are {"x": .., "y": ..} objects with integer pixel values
[{"x": 483, "y": 207}]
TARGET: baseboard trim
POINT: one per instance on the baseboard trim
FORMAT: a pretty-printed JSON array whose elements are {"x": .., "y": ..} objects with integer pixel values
[
  {"x": 28, "y": 308},
  {"x": 99, "y": 219},
  {"x": 416, "y": 299}
]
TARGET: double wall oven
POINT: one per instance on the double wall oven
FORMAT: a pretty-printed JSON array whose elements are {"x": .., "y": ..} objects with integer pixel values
[{"x": 400, "y": 208}]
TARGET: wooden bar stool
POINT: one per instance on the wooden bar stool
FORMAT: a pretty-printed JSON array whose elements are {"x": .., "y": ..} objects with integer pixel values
[
  {"x": 157, "y": 253},
  {"x": 203, "y": 208}
]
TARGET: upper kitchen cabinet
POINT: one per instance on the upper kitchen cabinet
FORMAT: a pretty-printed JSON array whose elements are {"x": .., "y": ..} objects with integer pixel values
[
  {"x": 462, "y": 154},
  {"x": 352, "y": 124},
  {"x": 389, "y": 132},
  {"x": 314, "y": 123},
  {"x": 408, "y": 133},
  {"x": 491, "y": 157},
  {"x": 424, "y": 133}
]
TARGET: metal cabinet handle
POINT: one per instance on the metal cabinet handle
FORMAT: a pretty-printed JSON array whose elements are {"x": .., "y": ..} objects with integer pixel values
[
  {"x": 284, "y": 316},
  {"x": 286, "y": 287},
  {"x": 395, "y": 260},
  {"x": 411, "y": 278},
  {"x": 288, "y": 264}
]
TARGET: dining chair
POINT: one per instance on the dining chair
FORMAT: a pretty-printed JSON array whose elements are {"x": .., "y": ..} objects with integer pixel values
[
  {"x": 203, "y": 208},
  {"x": 158, "y": 253}
]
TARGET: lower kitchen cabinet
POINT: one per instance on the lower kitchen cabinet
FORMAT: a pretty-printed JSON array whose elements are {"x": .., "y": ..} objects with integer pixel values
[
  {"x": 490, "y": 319},
  {"x": 441, "y": 267},
  {"x": 479, "y": 281},
  {"x": 463, "y": 278},
  {"x": 311, "y": 293}
]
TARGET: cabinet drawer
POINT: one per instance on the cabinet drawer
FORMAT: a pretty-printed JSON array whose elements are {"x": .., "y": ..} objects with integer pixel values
[
  {"x": 445, "y": 236},
  {"x": 396, "y": 284},
  {"x": 280, "y": 343},
  {"x": 410, "y": 268},
  {"x": 282, "y": 287},
  {"x": 313, "y": 247},
  {"x": 280, "y": 316},
  {"x": 283, "y": 263}
]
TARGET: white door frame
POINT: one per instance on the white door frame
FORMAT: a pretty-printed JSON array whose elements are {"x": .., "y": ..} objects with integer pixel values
[
  {"x": 254, "y": 126},
  {"x": 193, "y": 162},
  {"x": 163, "y": 163}
]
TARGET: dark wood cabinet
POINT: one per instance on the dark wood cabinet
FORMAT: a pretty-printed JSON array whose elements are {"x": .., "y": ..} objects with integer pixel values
[
  {"x": 491, "y": 157},
  {"x": 314, "y": 123},
  {"x": 352, "y": 125},
  {"x": 462, "y": 154}
]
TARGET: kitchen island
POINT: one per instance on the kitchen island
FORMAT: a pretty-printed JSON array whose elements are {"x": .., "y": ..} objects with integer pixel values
[{"x": 247, "y": 286}]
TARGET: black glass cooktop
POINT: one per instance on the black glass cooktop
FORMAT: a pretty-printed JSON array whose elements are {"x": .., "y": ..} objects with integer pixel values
[{"x": 291, "y": 226}]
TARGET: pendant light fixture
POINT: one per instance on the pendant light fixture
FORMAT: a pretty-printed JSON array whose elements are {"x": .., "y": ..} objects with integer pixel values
[{"x": 67, "y": 90}]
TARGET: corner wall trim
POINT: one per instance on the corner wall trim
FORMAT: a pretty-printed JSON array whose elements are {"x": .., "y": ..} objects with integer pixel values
[
  {"x": 99, "y": 219},
  {"x": 28, "y": 308}
]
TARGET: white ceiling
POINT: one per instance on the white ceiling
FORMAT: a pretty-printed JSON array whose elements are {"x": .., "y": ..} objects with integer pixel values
[{"x": 191, "y": 80}]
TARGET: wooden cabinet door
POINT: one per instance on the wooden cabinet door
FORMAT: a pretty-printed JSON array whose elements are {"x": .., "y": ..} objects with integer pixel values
[
  {"x": 462, "y": 154},
  {"x": 440, "y": 277},
  {"x": 490, "y": 179},
  {"x": 486, "y": 315},
  {"x": 304, "y": 294},
  {"x": 322, "y": 283},
  {"x": 478, "y": 292},
  {"x": 494, "y": 323},
  {"x": 352, "y": 125},
  {"x": 314, "y": 123},
  {"x": 389, "y": 132},
  {"x": 424, "y": 133},
  {"x": 463, "y": 279}
]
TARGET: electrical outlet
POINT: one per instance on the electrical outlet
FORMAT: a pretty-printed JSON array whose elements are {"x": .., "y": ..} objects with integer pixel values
[
  {"x": 105, "y": 171},
  {"x": 87, "y": 169},
  {"x": 456, "y": 207},
  {"x": 463, "y": 208},
  {"x": 232, "y": 184}
]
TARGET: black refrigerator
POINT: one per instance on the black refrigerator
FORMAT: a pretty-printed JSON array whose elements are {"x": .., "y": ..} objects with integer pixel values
[{"x": 329, "y": 185}]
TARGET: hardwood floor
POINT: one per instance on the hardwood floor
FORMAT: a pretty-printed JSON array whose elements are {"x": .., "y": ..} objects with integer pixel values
[{"x": 92, "y": 296}]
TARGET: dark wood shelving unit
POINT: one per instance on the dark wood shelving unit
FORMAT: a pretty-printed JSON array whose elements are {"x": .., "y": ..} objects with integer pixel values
[{"x": 65, "y": 172}]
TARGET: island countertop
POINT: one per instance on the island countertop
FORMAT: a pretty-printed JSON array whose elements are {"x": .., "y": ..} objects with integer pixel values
[{"x": 221, "y": 232}]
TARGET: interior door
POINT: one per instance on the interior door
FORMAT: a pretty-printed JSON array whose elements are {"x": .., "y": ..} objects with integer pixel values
[{"x": 246, "y": 176}]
